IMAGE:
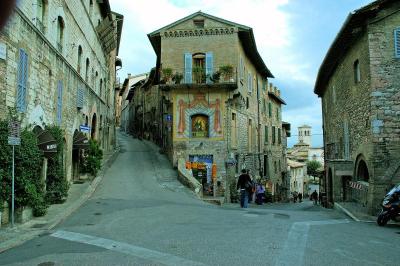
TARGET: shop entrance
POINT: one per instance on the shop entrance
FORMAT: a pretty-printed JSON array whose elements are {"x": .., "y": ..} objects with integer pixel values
[{"x": 201, "y": 168}]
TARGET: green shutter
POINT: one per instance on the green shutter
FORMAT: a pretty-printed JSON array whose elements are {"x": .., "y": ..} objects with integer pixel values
[{"x": 266, "y": 134}]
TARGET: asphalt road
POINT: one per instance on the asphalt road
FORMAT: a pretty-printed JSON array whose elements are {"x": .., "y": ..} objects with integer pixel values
[{"x": 140, "y": 215}]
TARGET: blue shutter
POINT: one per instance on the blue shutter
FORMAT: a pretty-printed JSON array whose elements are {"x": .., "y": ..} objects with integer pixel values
[
  {"x": 397, "y": 42},
  {"x": 209, "y": 66},
  {"x": 59, "y": 101},
  {"x": 22, "y": 81},
  {"x": 188, "y": 68}
]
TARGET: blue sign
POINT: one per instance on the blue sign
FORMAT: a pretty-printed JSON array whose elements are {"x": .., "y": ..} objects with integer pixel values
[
  {"x": 84, "y": 129},
  {"x": 168, "y": 118}
]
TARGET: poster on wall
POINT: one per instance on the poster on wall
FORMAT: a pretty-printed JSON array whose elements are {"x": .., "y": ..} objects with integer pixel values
[{"x": 200, "y": 126}]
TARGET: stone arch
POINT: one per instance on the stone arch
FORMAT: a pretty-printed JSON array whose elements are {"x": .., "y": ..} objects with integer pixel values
[{"x": 361, "y": 169}]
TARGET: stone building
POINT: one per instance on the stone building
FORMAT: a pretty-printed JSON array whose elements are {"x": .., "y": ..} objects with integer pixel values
[
  {"x": 298, "y": 176},
  {"x": 303, "y": 151},
  {"x": 359, "y": 83},
  {"x": 58, "y": 66},
  {"x": 209, "y": 103}
]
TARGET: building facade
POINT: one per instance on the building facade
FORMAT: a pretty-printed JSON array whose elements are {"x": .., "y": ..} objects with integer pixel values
[
  {"x": 358, "y": 83},
  {"x": 209, "y": 103},
  {"x": 58, "y": 67}
]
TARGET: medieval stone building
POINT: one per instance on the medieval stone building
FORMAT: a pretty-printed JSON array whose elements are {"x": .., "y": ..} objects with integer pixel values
[
  {"x": 359, "y": 82},
  {"x": 58, "y": 67},
  {"x": 208, "y": 103}
]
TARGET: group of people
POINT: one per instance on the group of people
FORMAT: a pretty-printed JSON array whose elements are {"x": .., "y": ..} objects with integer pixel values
[
  {"x": 298, "y": 196},
  {"x": 248, "y": 188},
  {"x": 315, "y": 197}
]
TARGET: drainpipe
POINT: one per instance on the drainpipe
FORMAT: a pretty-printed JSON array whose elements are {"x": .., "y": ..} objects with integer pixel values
[{"x": 259, "y": 128}]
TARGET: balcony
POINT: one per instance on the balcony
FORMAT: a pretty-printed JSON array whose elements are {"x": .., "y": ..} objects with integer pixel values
[
  {"x": 224, "y": 76},
  {"x": 39, "y": 25},
  {"x": 59, "y": 47}
]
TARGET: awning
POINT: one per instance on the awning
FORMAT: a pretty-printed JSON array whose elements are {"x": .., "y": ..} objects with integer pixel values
[
  {"x": 46, "y": 142},
  {"x": 80, "y": 141}
]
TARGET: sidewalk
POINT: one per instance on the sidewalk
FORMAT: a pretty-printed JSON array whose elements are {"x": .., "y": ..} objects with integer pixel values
[
  {"x": 77, "y": 195},
  {"x": 355, "y": 211}
]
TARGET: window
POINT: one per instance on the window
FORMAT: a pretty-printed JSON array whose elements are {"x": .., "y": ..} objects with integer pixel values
[
  {"x": 90, "y": 8},
  {"x": 275, "y": 167},
  {"x": 60, "y": 33},
  {"x": 266, "y": 134},
  {"x": 241, "y": 67},
  {"x": 87, "y": 70},
  {"x": 273, "y": 135},
  {"x": 249, "y": 81},
  {"x": 101, "y": 88},
  {"x": 277, "y": 113},
  {"x": 250, "y": 135},
  {"x": 200, "y": 126},
  {"x": 79, "y": 59},
  {"x": 270, "y": 109},
  {"x": 59, "y": 102},
  {"x": 279, "y": 136},
  {"x": 247, "y": 103},
  {"x": 198, "y": 23},
  {"x": 356, "y": 69},
  {"x": 95, "y": 88},
  {"x": 397, "y": 42},
  {"x": 233, "y": 130},
  {"x": 264, "y": 107},
  {"x": 22, "y": 81},
  {"x": 40, "y": 14}
]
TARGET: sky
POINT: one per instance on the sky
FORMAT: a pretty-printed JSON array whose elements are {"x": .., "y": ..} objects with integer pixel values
[{"x": 292, "y": 37}]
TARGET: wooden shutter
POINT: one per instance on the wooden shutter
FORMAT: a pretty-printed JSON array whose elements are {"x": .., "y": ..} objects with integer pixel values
[
  {"x": 80, "y": 97},
  {"x": 209, "y": 66},
  {"x": 22, "y": 80},
  {"x": 188, "y": 68},
  {"x": 397, "y": 42},
  {"x": 59, "y": 101},
  {"x": 266, "y": 134}
]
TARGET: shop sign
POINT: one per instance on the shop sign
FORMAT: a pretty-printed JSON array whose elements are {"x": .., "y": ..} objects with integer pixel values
[{"x": 84, "y": 129}]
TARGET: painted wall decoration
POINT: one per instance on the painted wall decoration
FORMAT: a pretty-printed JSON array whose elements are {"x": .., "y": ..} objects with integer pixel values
[{"x": 198, "y": 116}]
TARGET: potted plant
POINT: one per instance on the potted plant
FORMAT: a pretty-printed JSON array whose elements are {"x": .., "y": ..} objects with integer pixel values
[
  {"x": 177, "y": 78},
  {"x": 166, "y": 74},
  {"x": 199, "y": 74},
  {"x": 215, "y": 77},
  {"x": 226, "y": 71}
]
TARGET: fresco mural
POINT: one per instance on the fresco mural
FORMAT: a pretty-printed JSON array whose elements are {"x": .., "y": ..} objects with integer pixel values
[{"x": 198, "y": 116}]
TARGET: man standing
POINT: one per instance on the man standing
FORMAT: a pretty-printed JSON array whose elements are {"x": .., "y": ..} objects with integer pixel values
[
  {"x": 244, "y": 184},
  {"x": 314, "y": 197}
]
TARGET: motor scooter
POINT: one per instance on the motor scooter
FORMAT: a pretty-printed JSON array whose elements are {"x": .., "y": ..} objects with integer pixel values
[{"x": 390, "y": 207}]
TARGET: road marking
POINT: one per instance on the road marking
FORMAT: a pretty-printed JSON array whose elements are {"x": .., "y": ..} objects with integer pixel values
[
  {"x": 144, "y": 253},
  {"x": 295, "y": 245}
]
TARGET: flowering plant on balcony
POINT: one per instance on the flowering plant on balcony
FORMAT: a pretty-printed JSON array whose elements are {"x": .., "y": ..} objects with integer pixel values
[
  {"x": 166, "y": 74},
  {"x": 226, "y": 71},
  {"x": 177, "y": 78}
]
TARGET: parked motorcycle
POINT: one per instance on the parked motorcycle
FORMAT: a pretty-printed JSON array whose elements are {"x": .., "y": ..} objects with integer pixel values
[{"x": 390, "y": 207}]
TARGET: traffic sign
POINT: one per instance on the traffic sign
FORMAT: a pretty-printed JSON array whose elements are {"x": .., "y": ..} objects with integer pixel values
[
  {"x": 14, "y": 141},
  {"x": 168, "y": 118},
  {"x": 85, "y": 129}
]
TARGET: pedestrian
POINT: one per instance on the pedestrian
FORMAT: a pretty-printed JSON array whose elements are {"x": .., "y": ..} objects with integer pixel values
[
  {"x": 260, "y": 191},
  {"x": 244, "y": 185},
  {"x": 295, "y": 195},
  {"x": 314, "y": 197},
  {"x": 300, "y": 197},
  {"x": 253, "y": 187}
]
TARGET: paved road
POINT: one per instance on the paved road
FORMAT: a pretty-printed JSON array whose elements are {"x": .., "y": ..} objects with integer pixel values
[{"x": 140, "y": 215}]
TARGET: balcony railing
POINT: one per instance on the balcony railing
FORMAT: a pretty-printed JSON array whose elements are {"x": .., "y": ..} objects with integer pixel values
[
  {"x": 39, "y": 25},
  {"x": 199, "y": 75},
  {"x": 59, "y": 47}
]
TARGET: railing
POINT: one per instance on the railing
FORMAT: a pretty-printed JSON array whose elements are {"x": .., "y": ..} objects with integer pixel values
[
  {"x": 59, "y": 47},
  {"x": 199, "y": 75},
  {"x": 39, "y": 25}
]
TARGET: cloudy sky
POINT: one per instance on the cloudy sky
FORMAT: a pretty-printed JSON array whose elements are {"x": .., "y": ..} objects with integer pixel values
[{"x": 292, "y": 37}]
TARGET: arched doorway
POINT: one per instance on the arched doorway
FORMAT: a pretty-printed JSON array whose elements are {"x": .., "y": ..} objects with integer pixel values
[
  {"x": 330, "y": 186},
  {"x": 93, "y": 128},
  {"x": 362, "y": 171}
]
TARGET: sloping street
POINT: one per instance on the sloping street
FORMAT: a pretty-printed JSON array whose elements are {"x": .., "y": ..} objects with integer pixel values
[{"x": 140, "y": 215}]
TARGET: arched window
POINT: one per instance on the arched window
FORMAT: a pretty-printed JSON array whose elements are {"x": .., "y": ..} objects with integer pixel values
[
  {"x": 95, "y": 82},
  {"x": 41, "y": 6},
  {"x": 199, "y": 68},
  {"x": 79, "y": 59},
  {"x": 87, "y": 70},
  {"x": 60, "y": 33},
  {"x": 200, "y": 126}
]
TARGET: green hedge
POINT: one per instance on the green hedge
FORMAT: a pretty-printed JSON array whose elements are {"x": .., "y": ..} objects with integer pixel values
[{"x": 29, "y": 188}]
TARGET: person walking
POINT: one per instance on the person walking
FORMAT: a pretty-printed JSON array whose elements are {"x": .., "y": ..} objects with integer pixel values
[
  {"x": 260, "y": 191},
  {"x": 300, "y": 197},
  {"x": 314, "y": 197},
  {"x": 244, "y": 185}
]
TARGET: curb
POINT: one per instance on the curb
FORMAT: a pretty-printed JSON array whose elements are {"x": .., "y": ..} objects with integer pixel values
[
  {"x": 339, "y": 207},
  {"x": 29, "y": 235}
]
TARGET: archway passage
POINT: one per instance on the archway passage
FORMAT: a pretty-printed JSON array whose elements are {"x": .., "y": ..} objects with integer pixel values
[
  {"x": 80, "y": 142},
  {"x": 362, "y": 171},
  {"x": 94, "y": 124}
]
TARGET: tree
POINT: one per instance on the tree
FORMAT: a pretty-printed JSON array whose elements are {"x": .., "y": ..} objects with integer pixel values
[{"x": 312, "y": 168}]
